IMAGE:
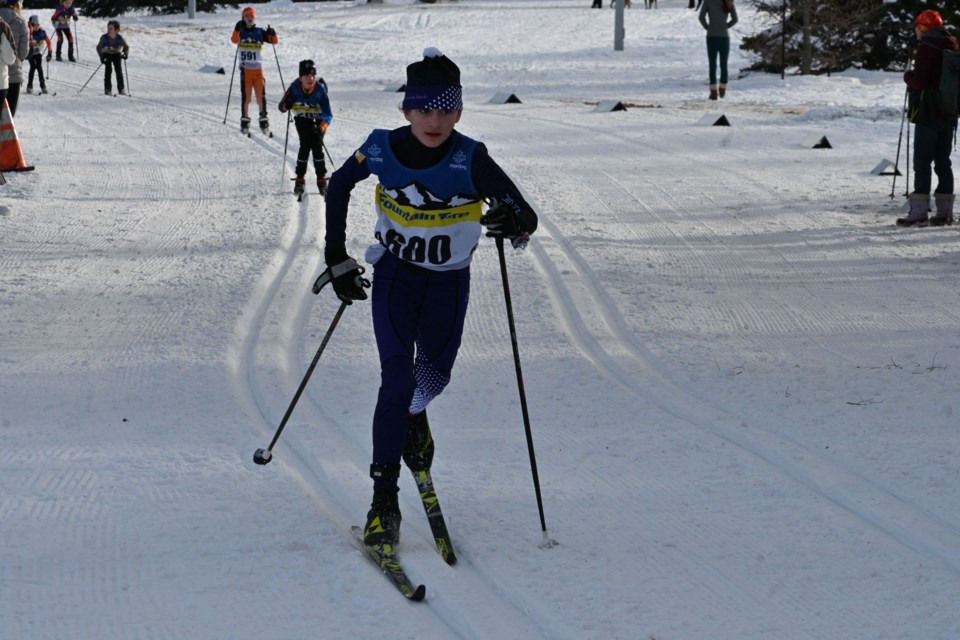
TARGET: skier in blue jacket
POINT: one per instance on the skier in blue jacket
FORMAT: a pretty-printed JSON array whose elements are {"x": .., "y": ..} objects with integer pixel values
[
  {"x": 307, "y": 98},
  {"x": 432, "y": 183}
]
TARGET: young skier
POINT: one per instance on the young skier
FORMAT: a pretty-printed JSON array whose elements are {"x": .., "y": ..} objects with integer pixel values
[
  {"x": 307, "y": 99},
  {"x": 61, "y": 22},
  {"x": 112, "y": 49},
  {"x": 39, "y": 44},
  {"x": 433, "y": 181},
  {"x": 249, "y": 39}
]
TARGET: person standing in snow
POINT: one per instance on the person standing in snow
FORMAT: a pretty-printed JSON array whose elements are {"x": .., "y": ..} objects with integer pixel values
[
  {"x": 933, "y": 130},
  {"x": 61, "y": 22},
  {"x": 39, "y": 44},
  {"x": 307, "y": 98},
  {"x": 717, "y": 16},
  {"x": 249, "y": 39},
  {"x": 11, "y": 14},
  {"x": 112, "y": 49},
  {"x": 7, "y": 55},
  {"x": 433, "y": 181}
]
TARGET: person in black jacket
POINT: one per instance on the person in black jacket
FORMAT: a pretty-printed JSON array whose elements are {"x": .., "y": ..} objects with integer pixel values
[{"x": 933, "y": 129}]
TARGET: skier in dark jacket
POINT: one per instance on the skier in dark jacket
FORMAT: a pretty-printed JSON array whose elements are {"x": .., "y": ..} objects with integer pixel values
[
  {"x": 307, "y": 98},
  {"x": 933, "y": 129},
  {"x": 432, "y": 183}
]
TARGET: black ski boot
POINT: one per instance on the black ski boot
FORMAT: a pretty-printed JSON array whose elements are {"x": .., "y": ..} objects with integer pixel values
[
  {"x": 245, "y": 125},
  {"x": 70, "y": 52},
  {"x": 418, "y": 456},
  {"x": 382, "y": 531},
  {"x": 298, "y": 185},
  {"x": 264, "y": 124},
  {"x": 418, "y": 448},
  {"x": 321, "y": 170}
]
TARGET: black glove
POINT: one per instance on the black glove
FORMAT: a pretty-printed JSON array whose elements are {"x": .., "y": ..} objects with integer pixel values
[
  {"x": 49, "y": 57},
  {"x": 124, "y": 55},
  {"x": 347, "y": 280},
  {"x": 270, "y": 32},
  {"x": 239, "y": 26},
  {"x": 103, "y": 59},
  {"x": 501, "y": 223}
]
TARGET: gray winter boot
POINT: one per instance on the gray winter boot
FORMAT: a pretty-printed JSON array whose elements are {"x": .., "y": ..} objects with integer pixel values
[
  {"x": 919, "y": 206},
  {"x": 944, "y": 209}
]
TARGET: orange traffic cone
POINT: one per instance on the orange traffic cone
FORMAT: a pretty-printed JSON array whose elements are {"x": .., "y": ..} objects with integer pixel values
[{"x": 11, "y": 155}]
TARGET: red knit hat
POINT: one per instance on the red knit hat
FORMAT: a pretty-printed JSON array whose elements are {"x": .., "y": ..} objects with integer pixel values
[{"x": 249, "y": 11}]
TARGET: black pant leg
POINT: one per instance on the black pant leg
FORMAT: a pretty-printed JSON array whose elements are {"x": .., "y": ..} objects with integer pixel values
[{"x": 13, "y": 97}]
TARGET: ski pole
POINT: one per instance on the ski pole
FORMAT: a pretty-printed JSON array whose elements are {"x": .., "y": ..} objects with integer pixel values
[
  {"x": 329, "y": 157},
  {"x": 547, "y": 542},
  {"x": 230, "y": 92},
  {"x": 896, "y": 164},
  {"x": 907, "y": 192},
  {"x": 126, "y": 73},
  {"x": 286, "y": 138},
  {"x": 76, "y": 39},
  {"x": 263, "y": 456},
  {"x": 277, "y": 58},
  {"x": 90, "y": 78}
]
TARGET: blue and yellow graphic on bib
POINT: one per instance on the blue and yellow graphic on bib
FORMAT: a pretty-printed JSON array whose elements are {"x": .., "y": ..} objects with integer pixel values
[{"x": 408, "y": 215}]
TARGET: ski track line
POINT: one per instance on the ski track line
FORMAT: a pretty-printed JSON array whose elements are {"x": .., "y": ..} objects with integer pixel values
[
  {"x": 766, "y": 312},
  {"x": 241, "y": 356},
  {"x": 250, "y": 332},
  {"x": 623, "y": 205},
  {"x": 451, "y": 592},
  {"x": 775, "y": 322},
  {"x": 912, "y": 526},
  {"x": 909, "y": 524}
]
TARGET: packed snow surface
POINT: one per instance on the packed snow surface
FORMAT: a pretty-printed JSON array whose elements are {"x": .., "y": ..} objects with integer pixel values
[{"x": 742, "y": 378}]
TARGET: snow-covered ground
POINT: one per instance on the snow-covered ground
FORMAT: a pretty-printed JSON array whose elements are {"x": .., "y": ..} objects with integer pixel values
[{"x": 742, "y": 378}]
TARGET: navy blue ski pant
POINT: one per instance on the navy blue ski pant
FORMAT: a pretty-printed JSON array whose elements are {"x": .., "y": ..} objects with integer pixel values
[
  {"x": 418, "y": 318},
  {"x": 932, "y": 146},
  {"x": 718, "y": 47}
]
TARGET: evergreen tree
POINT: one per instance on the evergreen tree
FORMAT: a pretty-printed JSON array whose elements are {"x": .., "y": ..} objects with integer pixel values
[
  {"x": 114, "y": 8},
  {"x": 821, "y": 36}
]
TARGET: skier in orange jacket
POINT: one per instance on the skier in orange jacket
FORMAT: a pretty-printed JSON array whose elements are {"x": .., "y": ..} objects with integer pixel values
[{"x": 250, "y": 39}]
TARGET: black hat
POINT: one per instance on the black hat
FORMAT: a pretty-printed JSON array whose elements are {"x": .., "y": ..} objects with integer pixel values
[
  {"x": 433, "y": 83},
  {"x": 307, "y": 68}
]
